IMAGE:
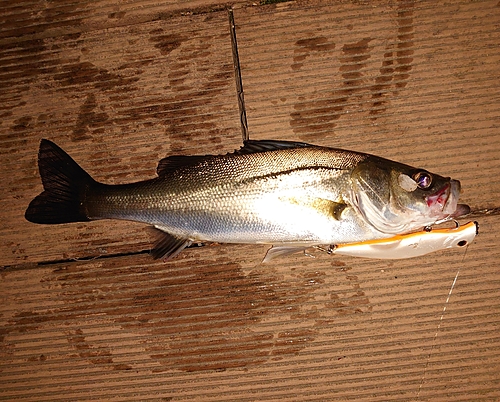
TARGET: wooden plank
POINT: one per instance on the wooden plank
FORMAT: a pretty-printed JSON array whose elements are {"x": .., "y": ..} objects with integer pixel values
[
  {"x": 118, "y": 101},
  {"x": 216, "y": 325},
  {"x": 32, "y": 19}
]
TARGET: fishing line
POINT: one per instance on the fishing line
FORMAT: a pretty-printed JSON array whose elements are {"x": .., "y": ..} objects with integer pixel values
[
  {"x": 237, "y": 75},
  {"x": 437, "y": 331}
]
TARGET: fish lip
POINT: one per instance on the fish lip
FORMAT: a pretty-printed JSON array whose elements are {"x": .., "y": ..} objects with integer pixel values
[{"x": 461, "y": 210}]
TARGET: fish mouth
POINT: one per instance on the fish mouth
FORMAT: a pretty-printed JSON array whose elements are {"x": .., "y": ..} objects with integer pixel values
[
  {"x": 443, "y": 203},
  {"x": 440, "y": 198}
]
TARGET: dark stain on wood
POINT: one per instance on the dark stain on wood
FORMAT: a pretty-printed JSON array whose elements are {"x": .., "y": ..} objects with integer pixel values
[
  {"x": 320, "y": 113},
  {"x": 189, "y": 315},
  {"x": 87, "y": 75},
  {"x": 306, "y": 46},
  {"x": 166, "y": 43},
  {"x": 37, "y": 18},
  {"x": 88, "y": 119}
]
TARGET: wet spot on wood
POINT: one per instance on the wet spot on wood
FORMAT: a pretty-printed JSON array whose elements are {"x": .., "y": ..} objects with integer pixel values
[
  {"x": 320, "y": 112},
  {"x": 304, "y": 47},
  {"x": 117, "y": 14},
  {"x": 166, "y": 43},
  {"x": 88, "y": 119},
  {"x": 94, "y": 354},
  {"x": 86, "y": 74},
  {"x": 191, "y": 315},
  {"x": 22, "y": 123},
  {"x": 43, "y": 16},
  {"x": 187, "y": 109},
  {"x": 31, "y": 64}
]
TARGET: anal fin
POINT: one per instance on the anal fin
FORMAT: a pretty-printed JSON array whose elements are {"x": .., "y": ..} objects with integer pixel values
[
  {"x": 277, "y": 251},
  {"x": 168, "y": 246}
]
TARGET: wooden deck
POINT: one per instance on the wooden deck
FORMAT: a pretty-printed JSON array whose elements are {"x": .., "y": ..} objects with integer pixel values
[{"x": 87, "y": 314}]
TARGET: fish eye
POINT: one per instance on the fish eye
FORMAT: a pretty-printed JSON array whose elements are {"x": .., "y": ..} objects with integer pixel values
[{"x": 423, "y": 179}]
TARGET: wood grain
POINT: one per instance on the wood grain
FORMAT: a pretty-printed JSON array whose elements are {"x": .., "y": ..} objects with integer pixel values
[{"x": 86, "y": 313}]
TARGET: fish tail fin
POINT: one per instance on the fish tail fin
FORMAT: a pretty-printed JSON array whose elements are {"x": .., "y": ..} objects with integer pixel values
[{"x": 65, "y": 184}]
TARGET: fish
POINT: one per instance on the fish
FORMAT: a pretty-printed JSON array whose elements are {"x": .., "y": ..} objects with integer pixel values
[{"x": 286, "y": 194}]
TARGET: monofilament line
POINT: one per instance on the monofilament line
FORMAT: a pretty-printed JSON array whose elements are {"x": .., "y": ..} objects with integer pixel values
[
  {"x": 237, "y": 75},
  {"x": 436, "y": 334}
]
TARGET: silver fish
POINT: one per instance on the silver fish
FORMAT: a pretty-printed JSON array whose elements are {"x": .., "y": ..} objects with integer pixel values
[{"x": 291, "y": 195}]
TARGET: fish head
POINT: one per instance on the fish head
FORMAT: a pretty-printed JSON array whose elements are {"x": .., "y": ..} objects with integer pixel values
[{"x": 396, "y": 198}]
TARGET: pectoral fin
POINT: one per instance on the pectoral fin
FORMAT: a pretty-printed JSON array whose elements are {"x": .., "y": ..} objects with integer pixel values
[
  {"x": 328, "y": 207},
  {"x": 336, "y": 209}
]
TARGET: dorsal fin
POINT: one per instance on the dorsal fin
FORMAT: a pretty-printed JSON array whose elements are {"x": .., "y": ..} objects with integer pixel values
[
  {"x": 254, "y": 146},
  {"x": 172, "y": 163}
]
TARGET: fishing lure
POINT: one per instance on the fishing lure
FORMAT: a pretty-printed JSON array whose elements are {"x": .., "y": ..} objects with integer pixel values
[{"x": 410, "y": 245}]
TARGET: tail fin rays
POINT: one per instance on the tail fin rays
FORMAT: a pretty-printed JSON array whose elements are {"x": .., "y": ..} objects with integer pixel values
[{"x": 65, "y": 184}]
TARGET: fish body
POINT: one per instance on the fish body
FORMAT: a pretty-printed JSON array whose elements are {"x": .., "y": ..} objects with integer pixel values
[{"x": 286, "y": 194}]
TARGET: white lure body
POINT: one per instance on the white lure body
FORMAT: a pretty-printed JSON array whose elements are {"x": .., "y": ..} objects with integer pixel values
[{"x": 411, "y": 245}]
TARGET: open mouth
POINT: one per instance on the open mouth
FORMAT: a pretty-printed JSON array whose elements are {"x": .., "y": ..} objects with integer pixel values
[
  {"x": 439, "y": 198},
  {"x": 444, "y": 201}
]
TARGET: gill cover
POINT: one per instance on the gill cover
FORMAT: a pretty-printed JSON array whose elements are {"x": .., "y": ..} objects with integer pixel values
[{"x": 372, "y": 195}]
